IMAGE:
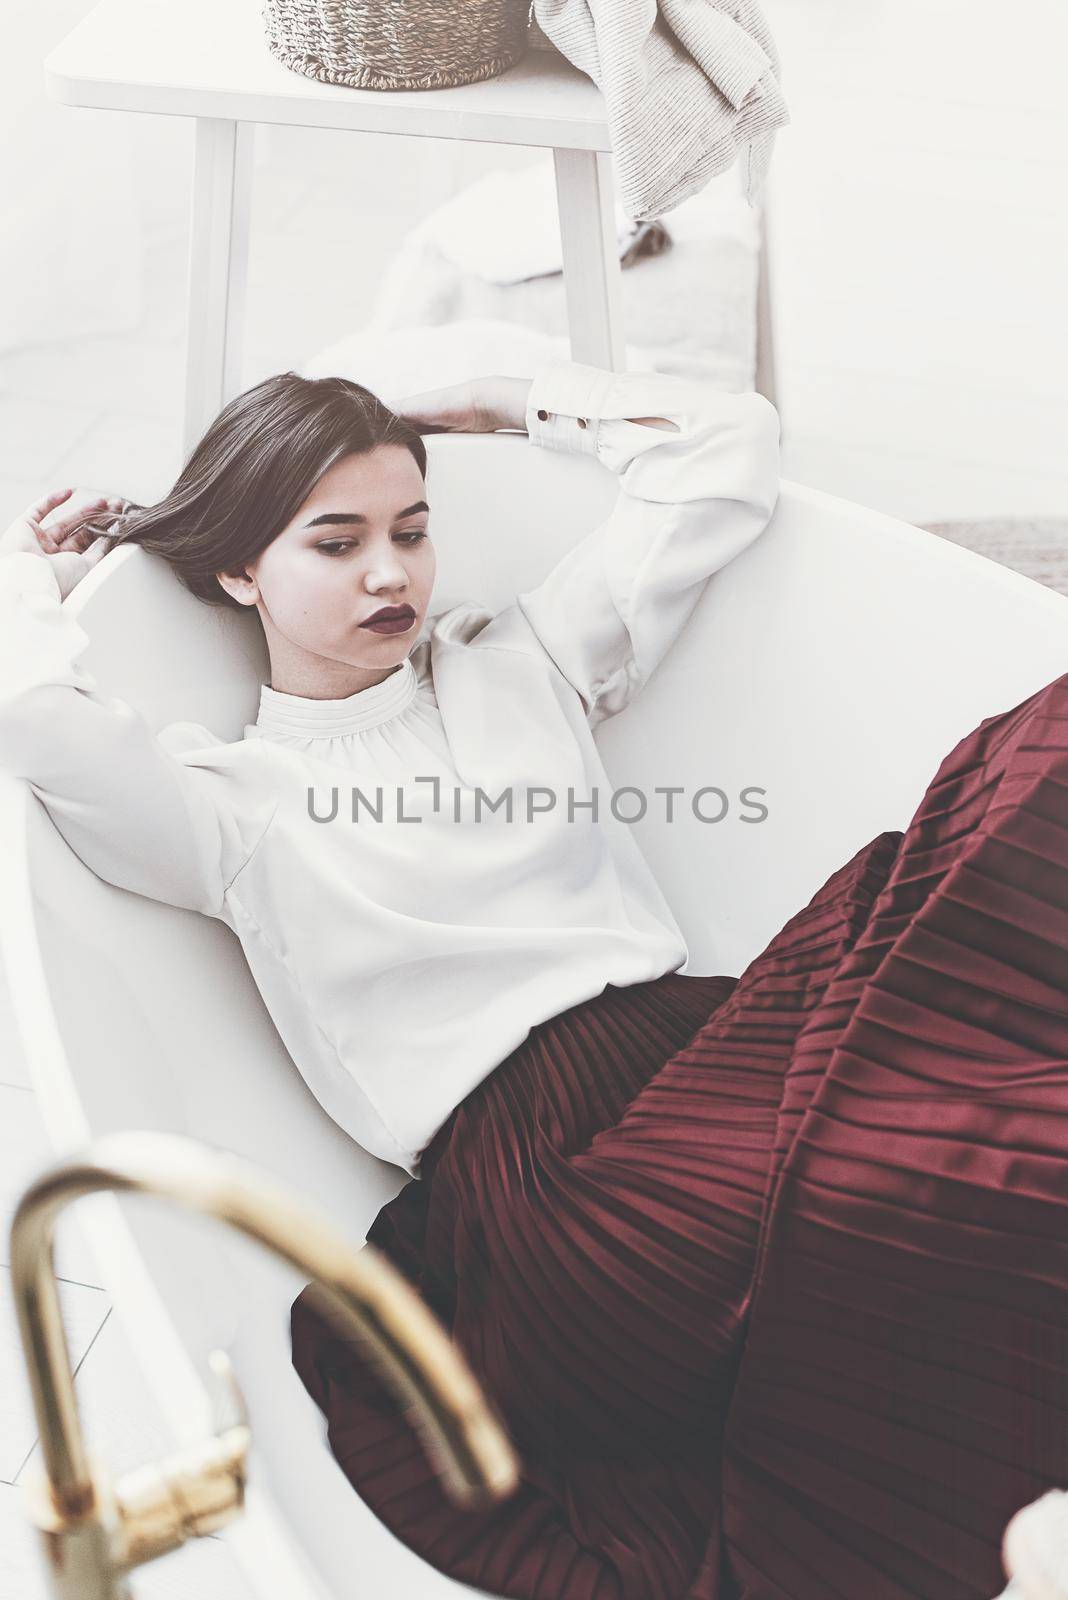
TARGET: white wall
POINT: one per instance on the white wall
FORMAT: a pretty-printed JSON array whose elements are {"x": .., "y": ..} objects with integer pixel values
[{"x": 921, "y": 251}]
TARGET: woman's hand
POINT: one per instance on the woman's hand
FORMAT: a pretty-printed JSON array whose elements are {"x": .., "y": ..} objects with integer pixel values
[
  {"x": 72, "y": 548},
  {"x": 480, "y": 405}
]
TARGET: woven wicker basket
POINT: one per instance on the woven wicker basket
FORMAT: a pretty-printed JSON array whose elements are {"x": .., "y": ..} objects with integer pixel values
[{"x": 397, "y": 44}]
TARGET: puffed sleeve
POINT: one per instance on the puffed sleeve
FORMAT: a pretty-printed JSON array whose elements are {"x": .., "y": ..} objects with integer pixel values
[
  {"x": 139, "y": 815},
  {"x": 690, "y": 501}
]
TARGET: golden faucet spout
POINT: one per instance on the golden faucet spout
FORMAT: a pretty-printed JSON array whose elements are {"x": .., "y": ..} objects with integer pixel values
[{"x": 93, "y": 1533}]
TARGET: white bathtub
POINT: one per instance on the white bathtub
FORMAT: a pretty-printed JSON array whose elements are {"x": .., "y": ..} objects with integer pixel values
[{"x": 832, "y": 665}]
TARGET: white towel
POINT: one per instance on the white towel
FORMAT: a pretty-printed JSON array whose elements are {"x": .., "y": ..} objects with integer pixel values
[
  {"x": 687, "y": 84},
  {"x": 693, "y": 305},
  {"x": 506, "y": 227}
]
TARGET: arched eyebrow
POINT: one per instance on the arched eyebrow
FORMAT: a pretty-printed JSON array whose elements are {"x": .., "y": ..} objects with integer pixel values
[{"x": 340, "y": 519}]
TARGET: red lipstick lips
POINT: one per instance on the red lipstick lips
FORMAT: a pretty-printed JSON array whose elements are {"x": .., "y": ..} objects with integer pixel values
[{"x": 391, "y": 619}]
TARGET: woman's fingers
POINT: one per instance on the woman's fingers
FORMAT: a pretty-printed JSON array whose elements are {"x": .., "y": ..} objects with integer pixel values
[
  {"x": 68, "y": 532},
  {"x": 62, "y": 527},
  {"x": 71, "y": 537},
  {"x": 97, "y": 550},
  {"x": 40, "y": 508},
  {"x": 79, "y": 540},
  {"x": 481, "y": 405},
  {"x": 451, "y": 409}
]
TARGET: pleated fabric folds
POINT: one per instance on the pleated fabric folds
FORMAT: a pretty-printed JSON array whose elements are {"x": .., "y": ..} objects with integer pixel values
[
  {"x": 904, "y": 1387},
  {"x": 586, "y": 1226},
  {"x": 767, "y": 1276}
]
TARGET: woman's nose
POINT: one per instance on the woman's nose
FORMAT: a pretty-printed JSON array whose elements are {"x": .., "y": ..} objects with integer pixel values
[{"x": 389, "y": 573}]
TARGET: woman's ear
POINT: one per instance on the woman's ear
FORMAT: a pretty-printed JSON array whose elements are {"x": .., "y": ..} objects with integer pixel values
[{"x": 240, "y": 584}]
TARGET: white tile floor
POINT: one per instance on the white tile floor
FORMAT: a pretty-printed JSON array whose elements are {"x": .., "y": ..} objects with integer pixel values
[
  {"x": 121, "y": 1419},
  {"x": 918, "y": 269}
]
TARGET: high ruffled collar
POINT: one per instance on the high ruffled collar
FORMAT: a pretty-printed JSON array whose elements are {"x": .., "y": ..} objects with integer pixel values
[{"x": 319, "y": 719}]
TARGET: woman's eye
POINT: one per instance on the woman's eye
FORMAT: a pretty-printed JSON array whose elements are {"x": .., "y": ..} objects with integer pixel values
[{"x": 336, "y": 547}]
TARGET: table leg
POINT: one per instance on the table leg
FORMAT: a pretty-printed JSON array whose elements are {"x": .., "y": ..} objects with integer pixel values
[
  {"x": 218, "y": 258},
  {"x": 586, "y": 199},
  {"x": 765, "y": 350}
]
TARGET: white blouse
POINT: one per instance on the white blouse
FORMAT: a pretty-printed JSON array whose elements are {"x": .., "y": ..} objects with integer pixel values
[{"x": 406, "y": 922}]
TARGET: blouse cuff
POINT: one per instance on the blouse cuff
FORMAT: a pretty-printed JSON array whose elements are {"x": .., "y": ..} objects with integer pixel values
[
  {"x": 565, "y": 404},
  {"x": 31, "y": 574}
]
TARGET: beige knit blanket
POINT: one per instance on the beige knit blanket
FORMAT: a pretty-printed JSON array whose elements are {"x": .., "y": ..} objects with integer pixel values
[{"x": 688, "y": 84}]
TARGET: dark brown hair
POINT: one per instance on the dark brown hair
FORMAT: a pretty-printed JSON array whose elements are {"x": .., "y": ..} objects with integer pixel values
[{"x": 253, "y": 469}]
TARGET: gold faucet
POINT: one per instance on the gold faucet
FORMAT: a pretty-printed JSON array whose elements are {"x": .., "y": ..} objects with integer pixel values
[{"x": 95, "y": 1532}]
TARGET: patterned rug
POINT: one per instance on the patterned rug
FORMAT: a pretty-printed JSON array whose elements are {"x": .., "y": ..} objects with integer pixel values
[{"x": 1038, "y": 549}]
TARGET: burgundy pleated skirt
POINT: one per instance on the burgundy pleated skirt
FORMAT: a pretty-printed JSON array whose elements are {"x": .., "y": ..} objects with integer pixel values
[{"x": 768, "y": 1277}]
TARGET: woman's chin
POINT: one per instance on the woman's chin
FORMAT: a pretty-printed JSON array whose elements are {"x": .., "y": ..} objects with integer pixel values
[{"x": 384, "y": 646}]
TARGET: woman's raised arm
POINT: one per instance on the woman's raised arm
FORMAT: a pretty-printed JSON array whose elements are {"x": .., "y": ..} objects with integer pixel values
[
  {"x": 699, "y": 479},
  {"x": 176, "y": 829}
]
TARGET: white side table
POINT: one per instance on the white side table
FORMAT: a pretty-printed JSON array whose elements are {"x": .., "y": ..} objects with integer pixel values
[{"x": 208, "y": 59}]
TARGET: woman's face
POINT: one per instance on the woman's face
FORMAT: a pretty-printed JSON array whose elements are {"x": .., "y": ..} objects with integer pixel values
[{"x": 358, "y": 543}]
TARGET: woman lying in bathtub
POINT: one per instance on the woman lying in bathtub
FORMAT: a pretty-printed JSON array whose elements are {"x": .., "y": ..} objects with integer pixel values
[{"x": 629, "y": 1178}]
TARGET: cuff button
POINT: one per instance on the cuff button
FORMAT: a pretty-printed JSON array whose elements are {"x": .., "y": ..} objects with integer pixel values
[
  {"x": 543, "y": 416},
  {"x": 581, "y": 421}
]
